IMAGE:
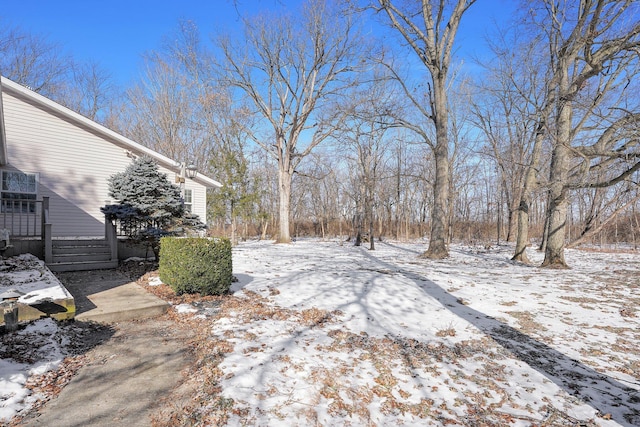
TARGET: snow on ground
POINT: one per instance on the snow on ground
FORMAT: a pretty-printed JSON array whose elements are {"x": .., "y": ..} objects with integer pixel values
[
  {"x": 14, "y": 395},
  {"x": 30, "y": 276},
  {"x": 473, "y": 338},
  {"x": 325, "y": 333},
  {"x": 38, "y": 348}
]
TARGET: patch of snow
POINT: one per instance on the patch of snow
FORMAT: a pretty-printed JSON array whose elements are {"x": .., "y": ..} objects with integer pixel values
[
  {"x": 185, "y": 308},
  {"x": 544, "y": 337},
  {"x": 30, "y": 275},
  {"x": 155, "y": 281},
  {"x": 14, "y": 396}
]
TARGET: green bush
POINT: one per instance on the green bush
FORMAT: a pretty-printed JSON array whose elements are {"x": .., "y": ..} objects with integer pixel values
[{"x": 196, "y": 265}]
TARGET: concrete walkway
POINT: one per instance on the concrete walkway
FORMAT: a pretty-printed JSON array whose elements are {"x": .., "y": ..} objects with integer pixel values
[
  {"x": 127, "y": 375},
  {"x": 108, "y": 296},
  {"x": 125, "y": 381}
]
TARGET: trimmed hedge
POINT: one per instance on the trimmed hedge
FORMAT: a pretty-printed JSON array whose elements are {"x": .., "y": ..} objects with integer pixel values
[{"x": 196, "y": 265}]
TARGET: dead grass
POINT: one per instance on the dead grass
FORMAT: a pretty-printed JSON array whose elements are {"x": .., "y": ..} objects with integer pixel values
[
  {"x": 348, "y": 391},
  {"x": 527, "y": 323},
  {"x": 446, "y": 332},
  {"x": 207, "y": 405},
  {"x": 381, "y": 372}
]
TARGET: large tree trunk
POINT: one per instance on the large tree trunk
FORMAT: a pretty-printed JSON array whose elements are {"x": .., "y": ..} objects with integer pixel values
[
  {"x": 358, "y": 219},
  {"x": 371, "y": 239},
  {"x": 284, "y": 207},
  {"x": 557, "y": 210},
  {"x": 234, "y": 230},
  {"x": 265, "y": 225},
  {"x": 433, "y": 43},
  {"x": 522, "y": 236},
  {"x": 558, "y": 179},
  {"x": 439, "y": 218}
]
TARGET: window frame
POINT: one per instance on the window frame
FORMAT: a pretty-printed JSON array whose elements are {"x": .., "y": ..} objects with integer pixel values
[
  {"x": 8, "y": 194},
  {"x": 187, "y": 201}
]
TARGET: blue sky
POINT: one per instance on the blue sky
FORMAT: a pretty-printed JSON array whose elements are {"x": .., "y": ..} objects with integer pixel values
[{"x": 116, "y": 33}]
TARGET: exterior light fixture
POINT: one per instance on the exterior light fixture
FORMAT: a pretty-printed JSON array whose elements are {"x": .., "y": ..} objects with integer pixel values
[
  {"x": 191, "y": 171},
  {"x": 186, "y": 171}
]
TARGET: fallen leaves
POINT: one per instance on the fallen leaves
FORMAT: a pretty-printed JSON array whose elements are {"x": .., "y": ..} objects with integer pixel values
[
  {"x": 49, "y": 384},
  {"x": 29, "y": 345}
]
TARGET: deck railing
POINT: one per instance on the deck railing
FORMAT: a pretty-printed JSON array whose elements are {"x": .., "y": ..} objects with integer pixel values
[
  {"x": 129, "y": 228},
  {"x": 27, "y": 220},
  {"x": 24, "y": 218}
]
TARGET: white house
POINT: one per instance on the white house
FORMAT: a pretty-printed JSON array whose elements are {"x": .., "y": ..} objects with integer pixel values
[{"x": 54, "y": 167}]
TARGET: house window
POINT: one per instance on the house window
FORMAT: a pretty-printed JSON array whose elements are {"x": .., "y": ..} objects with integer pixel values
[
  {"x": 188, "y": 200},
  {"x": 17, "y": 191}
]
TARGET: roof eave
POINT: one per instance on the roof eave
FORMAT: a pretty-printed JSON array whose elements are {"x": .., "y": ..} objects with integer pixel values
[{"x": 206, "y": 181}]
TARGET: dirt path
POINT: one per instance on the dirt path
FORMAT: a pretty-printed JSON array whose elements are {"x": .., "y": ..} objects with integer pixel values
[{"x": 125, "y": 380}]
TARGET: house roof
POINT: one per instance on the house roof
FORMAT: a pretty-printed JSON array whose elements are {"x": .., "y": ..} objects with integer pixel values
[{"x": 19, "y": 91}]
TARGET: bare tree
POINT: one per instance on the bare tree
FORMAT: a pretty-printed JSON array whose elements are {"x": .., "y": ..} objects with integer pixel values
[
  {"x": 593, "y": 47},
  {"x": 41, "y": 65},
  {"x": 513, "y": 116},
  {"x": 430, "y": 29},
  {"x": 292, "y": 68},
  {"x": 603, "y": 211},
  {"x": 162, "y": 108},
  {"x": 92, "y": 91},
  {"x": 318, "y": 183},
  {"x": 33, "y": 61},
  {"x": 364, "y": 135}
]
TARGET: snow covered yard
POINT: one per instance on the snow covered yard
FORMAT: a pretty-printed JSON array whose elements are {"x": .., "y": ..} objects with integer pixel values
[
  {"x": 331, "y": 334},
  {"x": 324, "y": 333}
]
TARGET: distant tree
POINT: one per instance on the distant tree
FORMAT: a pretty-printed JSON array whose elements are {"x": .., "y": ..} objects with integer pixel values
[
  {"x": 163, "y": 115},
  {"x": 41, "y": 65},
  {"x": 513, "y": 115},
  {"x": 369, "y": 117},
  {"x": 291, "y": 69},
  {"x": 177, "y": 108},
  {"x": 237, "y": 196},
  {"x": 33, "y": 61},
  {"x": 149, "y": 205},
  {"x": 92, "y": 92}
]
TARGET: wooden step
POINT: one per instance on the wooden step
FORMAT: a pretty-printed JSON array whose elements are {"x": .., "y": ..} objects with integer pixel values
[
  {"x": 78, "y": 242},
  {"x": 69, "y": 250},
  {"x": 81, "y": 254},
  {"x": 82, "y": 257},
  {"x": 82, "y": 265},
  {"x": 79, "y": 246}
]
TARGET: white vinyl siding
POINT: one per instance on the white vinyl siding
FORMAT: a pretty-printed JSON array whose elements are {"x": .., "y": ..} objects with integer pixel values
[{"x": 74, "y": 165}]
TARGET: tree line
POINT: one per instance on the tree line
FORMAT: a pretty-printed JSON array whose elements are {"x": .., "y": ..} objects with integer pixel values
[{"x": 357, "y": 118}]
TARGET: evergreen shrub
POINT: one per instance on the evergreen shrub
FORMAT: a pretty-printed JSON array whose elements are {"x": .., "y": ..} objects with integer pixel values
[
  {"x": 196, "y": 265},
  {"x": 149, "y": 205}
]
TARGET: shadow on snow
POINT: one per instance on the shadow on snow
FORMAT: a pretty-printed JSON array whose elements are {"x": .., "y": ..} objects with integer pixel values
[{"x": 604, "y": 393}]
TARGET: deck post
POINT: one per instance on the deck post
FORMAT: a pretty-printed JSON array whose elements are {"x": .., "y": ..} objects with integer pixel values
[
  {"x": 46, "y": 232},
  {"x": 111, "y": 237}
]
